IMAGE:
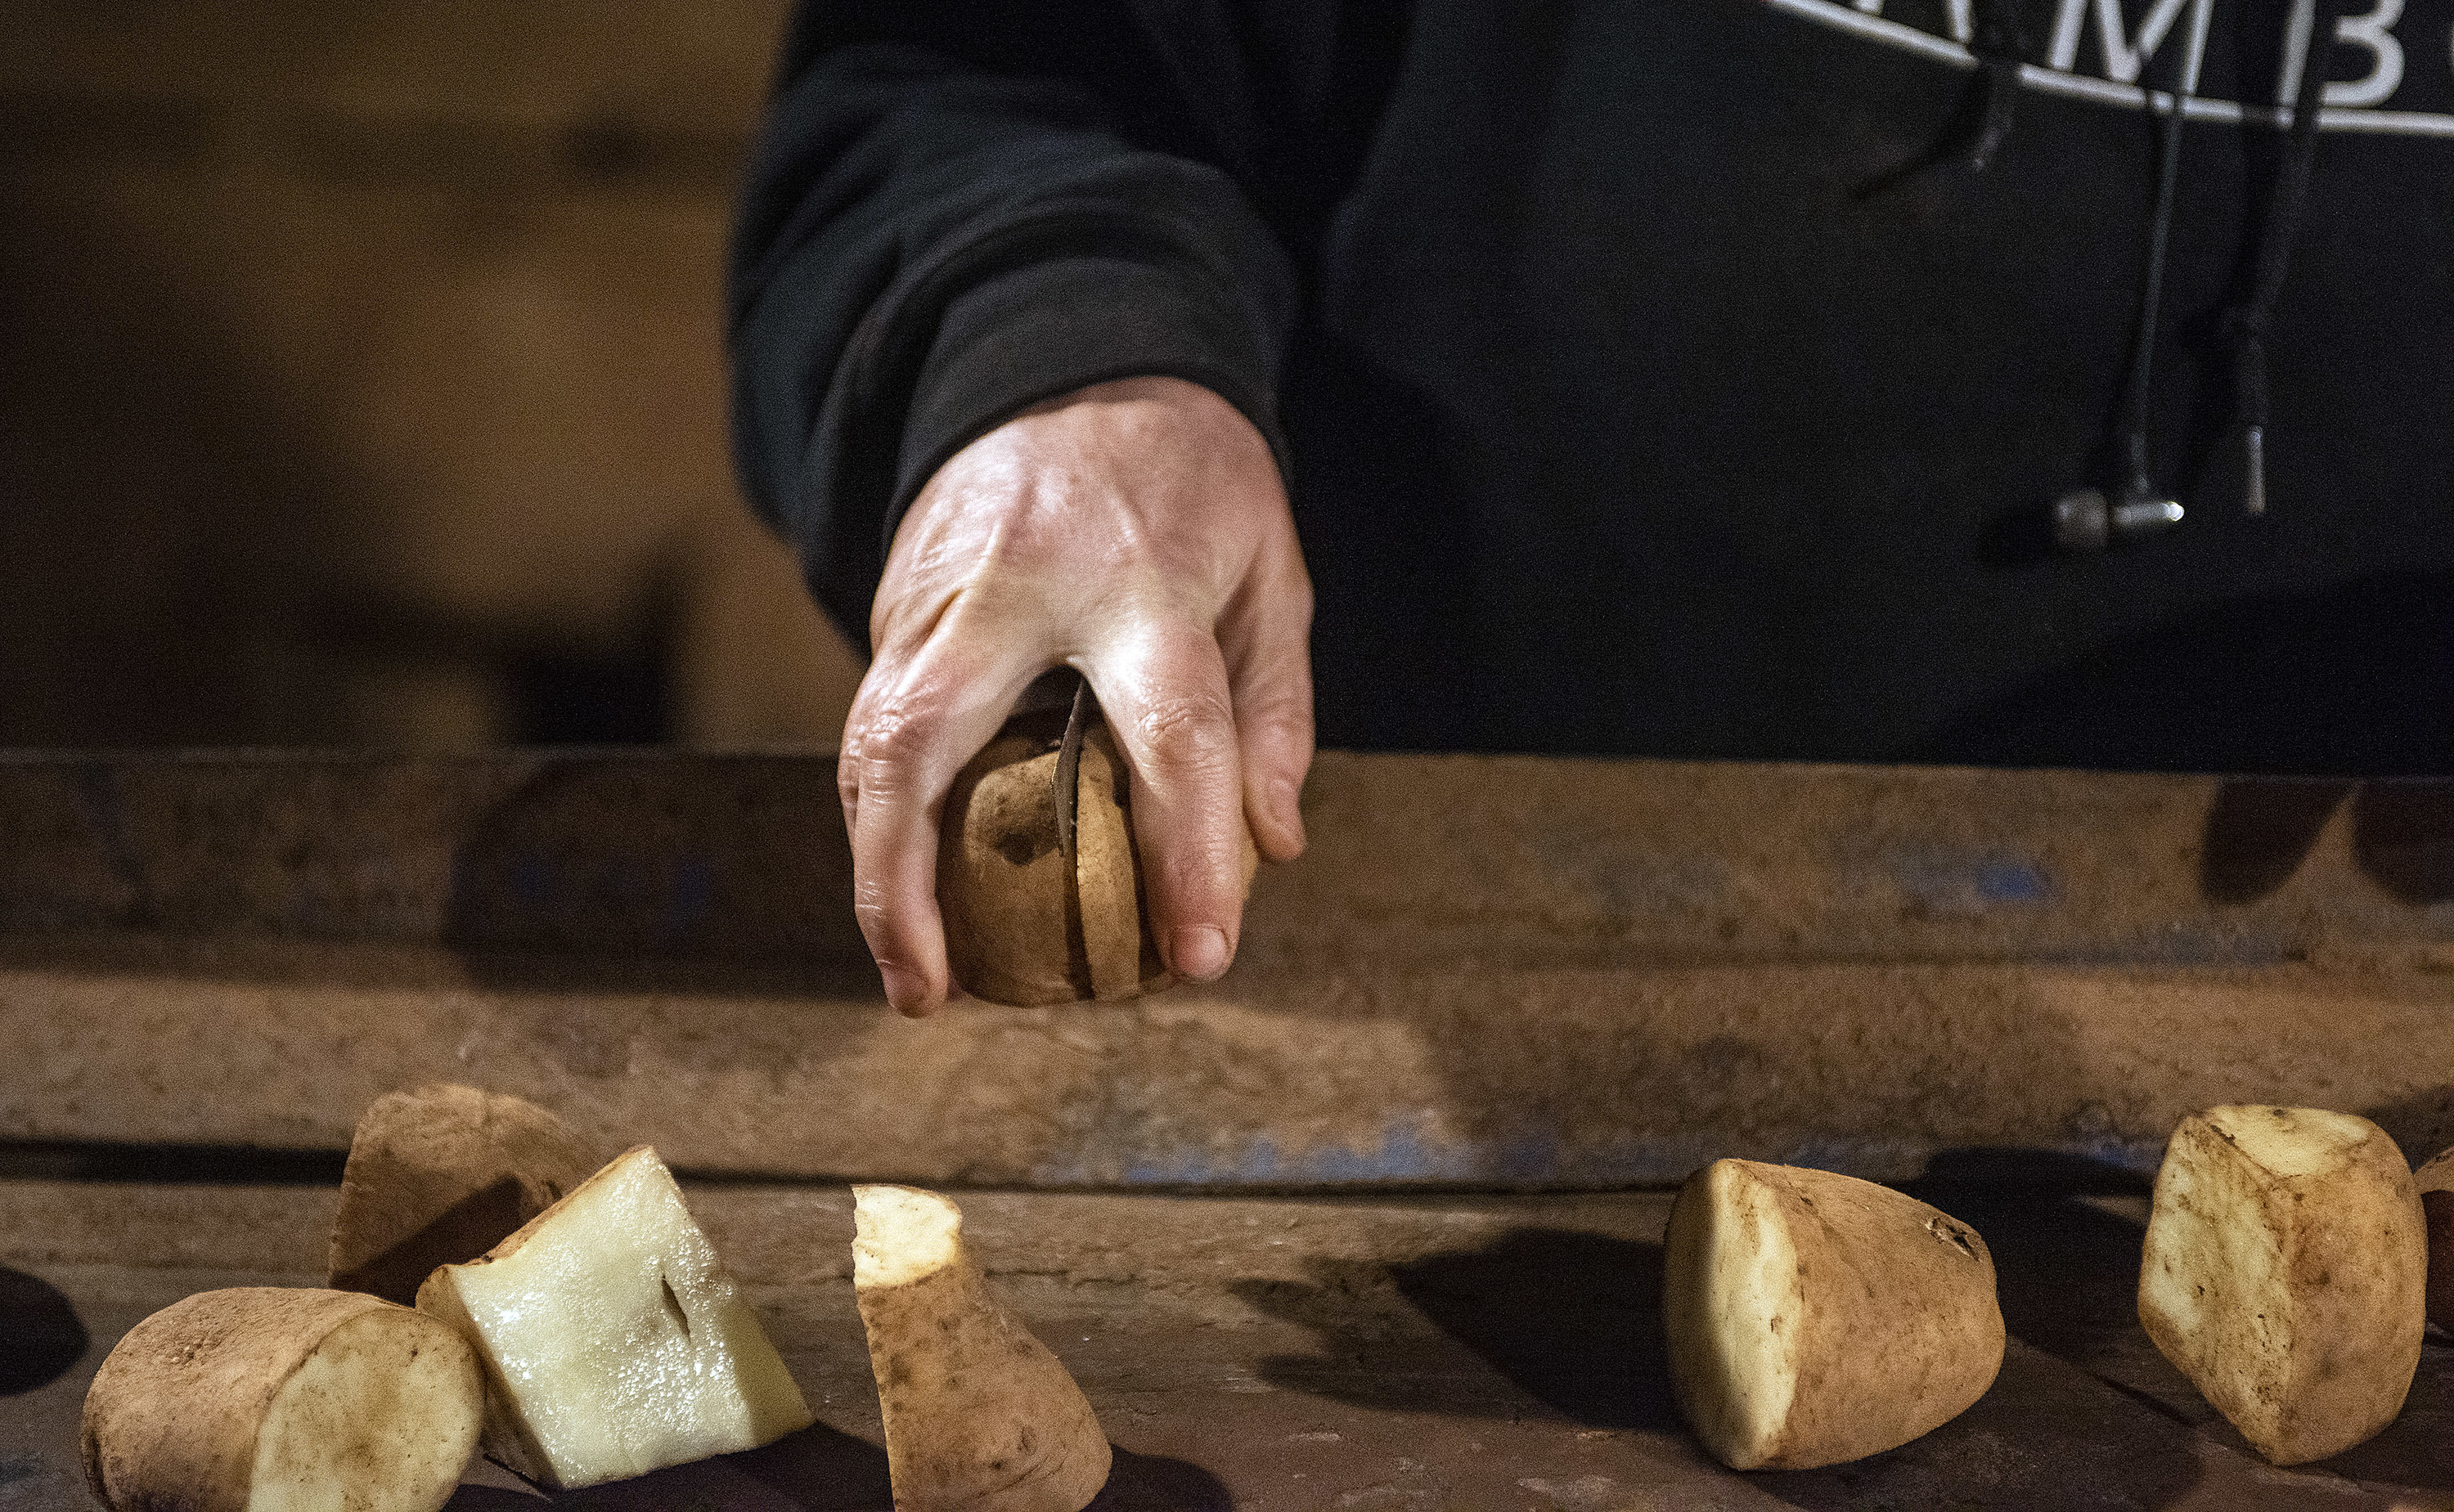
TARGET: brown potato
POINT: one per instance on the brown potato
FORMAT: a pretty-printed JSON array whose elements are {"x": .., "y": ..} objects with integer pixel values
[
  {"x": 1816, "y": 1317},
  {"x": 277, "y": 1399},
  {"x": 2436, "y": 1182},
  {"x": 1118, "y": 953},
  {"x": 1021, "y": 927},
  {"x": 2286, "y": 1273},
  {"x": 440, "y": 1174},
  {"x": 980, "y": 1415}
]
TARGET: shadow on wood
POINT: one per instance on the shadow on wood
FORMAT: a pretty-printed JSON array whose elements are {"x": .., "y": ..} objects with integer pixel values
[
  {"x": 41, "y": 1337},
  {"x": 1571, "y": 1319},
  {"x": 814, "y": 1470},
  {"x": 1147, "y": 1482},
  {"x": 821, "y": 1470}
]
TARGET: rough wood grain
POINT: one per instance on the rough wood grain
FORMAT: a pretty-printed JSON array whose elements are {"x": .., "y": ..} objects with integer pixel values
[{"x": 1486, "y": 972}]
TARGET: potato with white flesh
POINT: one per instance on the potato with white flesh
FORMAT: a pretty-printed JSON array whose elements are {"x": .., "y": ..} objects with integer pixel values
[
  {"x": 2286, "y": 1273},
  {"x": 440, "y": 1174},
  {"x": 980, "y": 1415},
  {"x": 1815, "y": 1318},
  {"x": 274, "y": 1398},
  {"x": 615, "y": 1342},
  {"x": 2436, "y": 1182}
]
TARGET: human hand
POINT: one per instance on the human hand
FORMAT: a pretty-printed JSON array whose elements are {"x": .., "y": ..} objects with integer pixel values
[{"x": 1138, "y": 532}]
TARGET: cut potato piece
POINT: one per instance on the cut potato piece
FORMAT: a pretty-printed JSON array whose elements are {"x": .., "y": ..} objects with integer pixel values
[
  {"x": 2286, "y": 1273},
  {"x": 271, "y": 1399},
  {"x": 980, "y": 1415},
  {"x": 1816, "y": 1317},
  {"x": 441, "y": 1174},
  {"x": 1003, "y": 882},
  {"x": 614, "y": 1341},
  {"x": 1022, "y": 927},
  {"x": 1118, "y": 953},
  {"x": 2436, "y": 1182}
]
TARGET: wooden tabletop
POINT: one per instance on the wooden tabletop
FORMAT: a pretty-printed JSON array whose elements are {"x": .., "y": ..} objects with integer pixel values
[{"x": 1391, "y": 1353}]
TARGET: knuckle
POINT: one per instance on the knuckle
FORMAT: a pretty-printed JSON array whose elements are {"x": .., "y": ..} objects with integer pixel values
[
  {"x": 877, "y": 929},
  {"x": 1275, "y": 702},
  {"x": 1279, "y": 724},
  {"x": 1198, "y": 884},
  {"x": 890, "y": 734},
  {"x": 1187, "y": 730},
  {"x": 883, "y": 924}
]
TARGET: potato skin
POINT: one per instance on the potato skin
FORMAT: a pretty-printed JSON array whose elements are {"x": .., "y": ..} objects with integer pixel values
[
  {"x": 171, "y": 1420},
  {"x": 980, "y": 1415},
  {"x": 2343, "y": 1241},
  {"x": 1119, "y": 954},
  {"x": 1898, "y": 1329},
  {"x": 1001, "y": 880},
  {"x": 1021, "y": 927},
  {"x": 2436, "y": 1184},
  {"x": 439, "y": 1174}
]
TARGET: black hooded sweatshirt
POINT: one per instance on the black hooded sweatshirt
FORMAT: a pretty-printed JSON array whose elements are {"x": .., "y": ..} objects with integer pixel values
[{"x": 1661, "y": 377}]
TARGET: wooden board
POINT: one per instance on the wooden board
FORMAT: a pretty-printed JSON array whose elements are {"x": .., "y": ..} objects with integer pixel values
[{"x": 1488, "y": 971}]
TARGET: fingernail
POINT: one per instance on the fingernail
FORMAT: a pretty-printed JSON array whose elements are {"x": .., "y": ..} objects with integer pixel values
[
  {"x": 905, "y": 989},
  {"x": 1201, "y": 953}
]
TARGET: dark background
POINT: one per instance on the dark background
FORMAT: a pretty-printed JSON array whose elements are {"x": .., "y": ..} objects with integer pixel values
[{"x": 360, "y": 379}]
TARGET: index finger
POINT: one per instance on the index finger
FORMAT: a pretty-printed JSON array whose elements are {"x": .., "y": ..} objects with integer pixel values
[{"x": 913, "y": 727}]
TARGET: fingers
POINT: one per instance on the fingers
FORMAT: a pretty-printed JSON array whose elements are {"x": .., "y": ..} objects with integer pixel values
[
  {"x": 1267, "y": 637},
  {"x": 1165, "y": 694},
  {"x": 914, "y": 723},
  {"x": 1145, "y": 540}
]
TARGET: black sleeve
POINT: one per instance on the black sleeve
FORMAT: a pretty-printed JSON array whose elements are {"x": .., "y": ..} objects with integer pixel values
[{"x": 929, "y": 244}]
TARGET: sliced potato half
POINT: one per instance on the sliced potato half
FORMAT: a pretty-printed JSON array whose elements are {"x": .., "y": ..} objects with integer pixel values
[
  {"x": 440, "y": 1174},
  {"x": 1816, "y": 1317},
  {"x": 2286, "y": 1273},
  {"x": 614, "y": 1340},
  {"x": 269, "y": 1399},
  {"x": 980, "y": 1415}
]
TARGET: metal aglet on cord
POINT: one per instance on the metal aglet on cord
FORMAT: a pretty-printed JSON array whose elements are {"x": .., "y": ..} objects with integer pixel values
[
  {"x": 2253, "y": 453},
  {"x": 2085, "y": 519}
]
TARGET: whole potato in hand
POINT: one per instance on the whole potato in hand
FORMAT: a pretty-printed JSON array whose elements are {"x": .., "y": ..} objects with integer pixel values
[{"x": 1024, "y": 927}]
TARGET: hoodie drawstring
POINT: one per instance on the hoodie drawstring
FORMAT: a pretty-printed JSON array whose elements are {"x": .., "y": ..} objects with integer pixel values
[
  {"x": 2000, "y": 47},
  {"x": 1982, "y": 119},
  {"x": 2084, "y": 520},
  {"x": 2249, "y": 321}
]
